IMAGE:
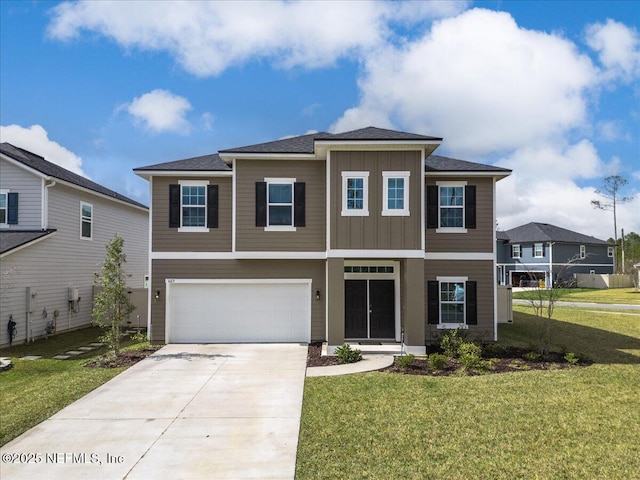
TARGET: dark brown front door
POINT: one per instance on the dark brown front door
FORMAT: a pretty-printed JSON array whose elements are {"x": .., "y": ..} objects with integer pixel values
[{"x": 369, "y": 308}]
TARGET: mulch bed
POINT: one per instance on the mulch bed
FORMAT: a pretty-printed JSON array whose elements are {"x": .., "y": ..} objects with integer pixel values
[
  {"x": 125, "y": 358},
  {"x": 512, "y": 359}
]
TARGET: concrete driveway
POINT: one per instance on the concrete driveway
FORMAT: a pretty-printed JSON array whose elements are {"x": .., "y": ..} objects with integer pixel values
[{"x": 186, "y": 412}]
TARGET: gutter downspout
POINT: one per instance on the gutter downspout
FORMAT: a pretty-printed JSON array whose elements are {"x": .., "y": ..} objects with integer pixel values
[{"x": 551, "y": 263}]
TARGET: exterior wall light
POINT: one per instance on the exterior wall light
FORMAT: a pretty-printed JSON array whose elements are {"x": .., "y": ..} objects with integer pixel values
[
  {"x": 317, "y": 294},
  {"x": 157, "y": 294}
]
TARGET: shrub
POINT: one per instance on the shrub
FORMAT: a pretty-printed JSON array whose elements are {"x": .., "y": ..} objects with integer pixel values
[
  {"x": 450, "y": 342},
  {"x": 572, "y": 358},
  {"x": 532, "y": 356},
  {"x": 346, "y": 355},
  {"x": 493, "y": 350},
  {"x": 437, "y": 361},
  {"x": 405, "y": 361},
  {"x": 470, "y": 355}
]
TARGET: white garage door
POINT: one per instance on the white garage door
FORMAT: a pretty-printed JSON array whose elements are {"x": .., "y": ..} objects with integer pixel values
[{"x": 237, "y": 311}]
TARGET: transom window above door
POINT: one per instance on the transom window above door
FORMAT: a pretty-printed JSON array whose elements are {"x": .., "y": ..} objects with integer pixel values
[
  {"x": 395, "y": 193},
  {"x": 355, "y": 194}
]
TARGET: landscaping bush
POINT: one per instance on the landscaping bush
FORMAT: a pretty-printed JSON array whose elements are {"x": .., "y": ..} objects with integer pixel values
[
  {"x": 437, "y": 361},
  {"x": 405, "y": 361},
  {"x": 470, "y": 355},
  {"x": 347, "y": 355},
  {"x": 451, "y": 340}
]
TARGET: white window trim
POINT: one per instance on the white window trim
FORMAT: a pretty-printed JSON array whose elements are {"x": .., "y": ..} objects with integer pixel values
[
  {"x": 87, "y": 204},
  {"x": 452, "y": 326},
  {"x": 397, "y": 212},
  {"x": 462, "y": 229},
  {"x": 583, "y": 251},
  {"x": 364, "y": 212},
  {"x": 513, "y": 251},
  {"x": 6, "y": 208},
  {"x": 281, "y": 228},
  {"x": 535, "y": 250},
  {"x": 194, "y": 183}
]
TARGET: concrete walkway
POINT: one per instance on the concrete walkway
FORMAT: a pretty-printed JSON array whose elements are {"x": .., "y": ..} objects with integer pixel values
[
  {"x": 368, "y": 363},
  {"x": 186, "y": 412}
]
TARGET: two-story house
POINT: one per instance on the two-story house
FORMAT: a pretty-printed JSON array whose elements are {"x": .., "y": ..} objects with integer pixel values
[
  {"x": 540, "y": 253},
  {"x": 360, "y": 236},
  {"x": 54, "y": 226}
]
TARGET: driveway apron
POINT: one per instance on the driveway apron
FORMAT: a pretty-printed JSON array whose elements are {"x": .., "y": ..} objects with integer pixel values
[{"x": 186, "y": 412}]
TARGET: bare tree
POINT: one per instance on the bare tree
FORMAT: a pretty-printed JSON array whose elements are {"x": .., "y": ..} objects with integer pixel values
[{"x": 610, "y": 191}]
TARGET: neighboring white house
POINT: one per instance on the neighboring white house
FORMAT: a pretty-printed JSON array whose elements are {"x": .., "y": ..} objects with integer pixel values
[{"x": 54, "y": 226}]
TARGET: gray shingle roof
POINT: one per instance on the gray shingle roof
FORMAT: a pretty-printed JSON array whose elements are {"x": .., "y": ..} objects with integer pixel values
[
  {"x": 49, "y": 169},
  {"x": 375, "y": 133},
  {"x": 436, "y": 163},
  {"x": 211, "y": 162},
  {"x": 544, "y": 232},
  {"x": 10, "y": 239},
  {"x": 301, "y": 144}
]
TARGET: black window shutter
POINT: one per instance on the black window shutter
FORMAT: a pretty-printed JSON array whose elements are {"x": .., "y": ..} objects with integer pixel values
[
  {"x": 261, "y": 204},
  {"x": 471, "y": 293},
  {"x": 470, "y": 206},
  {"x": 432, "y": 206},
  {"x": 12, "y": 208},
  {"x": 433, "y": 302},
  {"x": 174, "y": 206},
  {"x": 299, "y": 204},
  {"x": 212, "y": 206},
  {"x": 533, "y": 250}
]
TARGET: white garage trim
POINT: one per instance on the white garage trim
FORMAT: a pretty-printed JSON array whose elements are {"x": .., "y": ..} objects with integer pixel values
[{"x": 292, "y": 331}]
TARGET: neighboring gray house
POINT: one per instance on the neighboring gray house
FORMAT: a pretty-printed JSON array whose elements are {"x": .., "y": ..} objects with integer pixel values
[
  {"x": 54, "y": 226},
  {"x": 539, "y": 252},
  {"x": 361, "y": 236}
]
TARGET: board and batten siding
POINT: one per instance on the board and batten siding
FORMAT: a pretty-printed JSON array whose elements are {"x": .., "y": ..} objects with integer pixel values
[
  {"x": 311, "y": 237},
  {"x": 375, "y": 232},
  {"x": 480, "y": 271},
  {"x": 63, "y": 259},
  {"x": 167, "y": 239},
  {"x": 29, "y": 190},
  {"x": 237, "y": 269},
  {"x": 479, "y": 239}
]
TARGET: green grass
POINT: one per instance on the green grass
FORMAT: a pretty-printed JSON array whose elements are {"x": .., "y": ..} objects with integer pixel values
[
  {"x": 33, "y": 390},
  {"x": 564, "y": 424},
  {"x": 609, "y": 295}
]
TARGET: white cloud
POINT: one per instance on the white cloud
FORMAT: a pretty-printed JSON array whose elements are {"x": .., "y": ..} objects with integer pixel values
[
  {"x": 36, "y": 140},
  {"x": 161, "y": 111},
  {"x": 208, "y": 37},
  {"x": 618, "y": 47},
  {"x": 480, "y": 81}
]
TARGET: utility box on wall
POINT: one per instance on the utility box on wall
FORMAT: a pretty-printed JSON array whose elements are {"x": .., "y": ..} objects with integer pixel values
[
  {"x": 505, "y": 304},
  {"x": 74, "y": 294}
]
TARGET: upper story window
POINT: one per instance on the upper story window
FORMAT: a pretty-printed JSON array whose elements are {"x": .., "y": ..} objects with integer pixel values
[
  {"x": 452, "y": 302},
  {"x": 193, "y": 206},
  {"x": 355, "y": 194},
  {"x": 451, "y": 207},
  {"x": 583, "y": 251},
  {"x": 280, "y": 204},
  {"x": 86, "y": 220},
  {"x": 8, "y": 208},
  {"x": 395, "y": 193},
  {"x": 516, "y": 251},
  {"x": 538, "y": 250}
]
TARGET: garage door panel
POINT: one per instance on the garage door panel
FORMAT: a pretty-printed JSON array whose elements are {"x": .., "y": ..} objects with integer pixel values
[{"x": 239, "y": 312}]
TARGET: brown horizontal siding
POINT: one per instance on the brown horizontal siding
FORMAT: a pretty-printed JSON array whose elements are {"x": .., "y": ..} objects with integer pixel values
[
  {"x": 479, "y": 239},
  {"x": 375, "y": 231},
  {"x": 237, "y": 269},
  {"x": 480, "y": 271},
  {"x": 167, "y": 239},
  {"x": 312, "y": 237}
]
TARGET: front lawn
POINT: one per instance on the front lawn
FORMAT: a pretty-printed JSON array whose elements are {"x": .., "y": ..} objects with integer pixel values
[
  {"x": 571, "y": 424},
  {"x": 590, "y": 295},
  {"x": 33, "y": 390}
]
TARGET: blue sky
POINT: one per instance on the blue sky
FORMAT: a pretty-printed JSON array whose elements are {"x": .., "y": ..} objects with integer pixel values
[{"x": 549, "y": 89}]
